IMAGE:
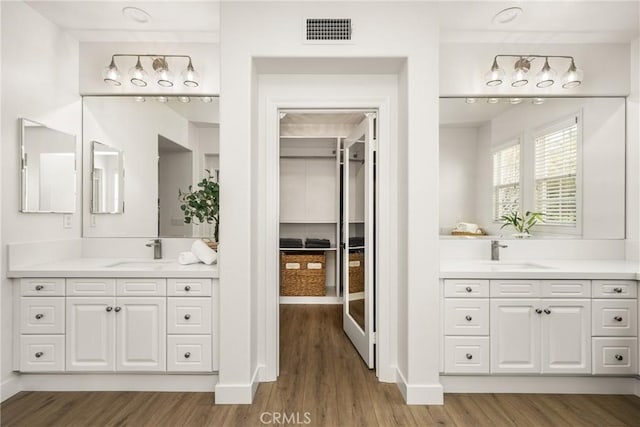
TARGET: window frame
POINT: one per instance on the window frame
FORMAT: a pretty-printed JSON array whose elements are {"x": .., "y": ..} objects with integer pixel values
[{"x": 507, "y": 143}]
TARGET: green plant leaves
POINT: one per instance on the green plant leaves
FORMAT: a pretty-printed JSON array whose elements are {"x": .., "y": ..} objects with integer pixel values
[
  {"x": 522, "y": 223},
  {"x": 201, "y": 205}
]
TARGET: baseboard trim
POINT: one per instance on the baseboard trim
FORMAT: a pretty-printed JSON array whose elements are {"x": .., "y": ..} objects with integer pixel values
[
  {"x": 420, "y": 394},
  {"x": 118, "y": 382},
  {"x": 533, "y": 384},
  {"x": 238, "y": 394},
  {"x": 10, "y": 387}
]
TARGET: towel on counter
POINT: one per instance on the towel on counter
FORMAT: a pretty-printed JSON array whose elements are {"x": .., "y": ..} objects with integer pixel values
[
  {"x": 356, "y": 241},
  {"x": 317, "y": 243},
  {"x": 186, "y": 258},
  {"x": 287, "y": 242},
  {"x": 204, "y": 252}
]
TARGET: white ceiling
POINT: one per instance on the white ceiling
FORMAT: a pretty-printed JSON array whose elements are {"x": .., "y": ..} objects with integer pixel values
[
  {"x": 322, "y": 118},
  {"x": 171, "y": 21}
]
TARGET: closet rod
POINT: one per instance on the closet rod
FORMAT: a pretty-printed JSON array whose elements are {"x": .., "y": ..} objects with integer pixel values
[{"x": 308, "y": 157}]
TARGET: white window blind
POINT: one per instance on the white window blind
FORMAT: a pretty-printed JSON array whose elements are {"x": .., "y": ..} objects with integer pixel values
[
  {"x": 556, "y": 165},
  {"x": 506, "y": 181}
]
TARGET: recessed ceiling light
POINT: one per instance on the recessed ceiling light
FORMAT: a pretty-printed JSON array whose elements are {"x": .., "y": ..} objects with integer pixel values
[
  {"x": 470, "y": 100},
  {"x": 507, "y": 15},
  {"x": 136, "y": 14}
]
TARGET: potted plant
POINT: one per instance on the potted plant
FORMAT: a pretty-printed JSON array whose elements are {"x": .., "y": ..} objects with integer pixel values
[
  {"x": 201, "y": 205},
  {"x": 522, "y": 223}
]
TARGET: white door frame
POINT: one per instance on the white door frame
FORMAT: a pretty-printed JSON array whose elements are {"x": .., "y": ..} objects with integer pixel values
[{"x": 269, "y": 135}]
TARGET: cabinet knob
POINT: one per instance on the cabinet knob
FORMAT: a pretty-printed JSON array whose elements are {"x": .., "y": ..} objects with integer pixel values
[
  {"x": 39, "y": 316},
  {"x": 618, "y": 357},
  {"x": 118, "y": 309},
  {"x": 39, "y": 287},
  {"x": 547, "y": 311},
  {"x": 539, "y": 310},
  {"x": 187, "y": 288},
  {"x": 39, "y": 354},
  {"x": 618, "y": 318},
  {"x": 187, "y": 355},
  {"x": 617, "y": 290},
  {"x": 187, "y": 316},
  {"x": 468, "y": 318},
  {"x": 109, "y": 308},
  {"x": 468, "y": 289},
  {"x": 469, "y": 356}
]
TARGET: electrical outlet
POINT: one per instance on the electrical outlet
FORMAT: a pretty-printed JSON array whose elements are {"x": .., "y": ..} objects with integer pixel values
[{"x": 67, "y": 220}]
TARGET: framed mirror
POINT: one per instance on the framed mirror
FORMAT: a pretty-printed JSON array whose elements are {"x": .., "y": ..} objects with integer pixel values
[
  {"x": 48, "y": 169},
  {"x": 561, "y": 157},
  {"x": 107, "y": 179}
]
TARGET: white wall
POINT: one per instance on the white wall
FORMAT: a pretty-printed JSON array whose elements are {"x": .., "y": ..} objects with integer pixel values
[
  {"x": 633, "y": 155},
  {"x": 39, "y": 82},
  {"x": 457, "y": 176},
  {"x": 175, "y": 171}
]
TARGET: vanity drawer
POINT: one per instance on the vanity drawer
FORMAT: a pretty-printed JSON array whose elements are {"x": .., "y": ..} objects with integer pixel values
[
  {"x": 189, "y": 315},
  {"x": 189, "y": 353},
  {"x": 566, "y": 288},
  {"x": 466, "y": 316},
  {"x": 515, "y": 288},
  {"x": 91, "y": 287},
  {"x": 189, "y": 287},
  {"x": 615, "y": 355},
  {"x": 465, "y": 288},
  {"x": 41, "y": 353},
  {"x": 614, "y": 317},
  {"x": 615, "y": 289},
  {"x": 34, "y": 287},
  {"x": 466, "y": 355},
  {"x": 42, "y": 315},
  {"x": 141, "y": 287}
]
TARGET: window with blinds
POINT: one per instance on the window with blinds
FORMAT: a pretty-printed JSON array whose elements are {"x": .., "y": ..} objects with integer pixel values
[
  {"x": 556, "y": 165},
  {"x": 506, "y": 180}
]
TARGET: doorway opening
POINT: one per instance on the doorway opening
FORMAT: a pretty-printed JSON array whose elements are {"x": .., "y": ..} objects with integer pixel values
[{"x": 327, "y": 216}]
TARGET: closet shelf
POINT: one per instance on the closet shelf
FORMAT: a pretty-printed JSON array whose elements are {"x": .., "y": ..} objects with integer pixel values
[
  {"x": 309, "y": 249},
  {"x": 304, "y": 221}
]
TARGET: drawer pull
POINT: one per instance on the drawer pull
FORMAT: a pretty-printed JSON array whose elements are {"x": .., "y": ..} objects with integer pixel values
[
  {"x": 539, "y": 310},
  {"x": 39, "y": 354},
  {"x": 468, "y": 289},
  {"x": 187, "y": 355},
  {"x": 187, "y": 288},
  {"x": 109, "y": 309},
  {"x": 618, "y": 318},
  {"x": 39, "y": 316},
  {"x": 469, "y": 318},
  {"x": 547, "y": 311},
  {"x": 469, "y": 356},
  {"x": 187, "y": 316},
  {"x": 618, "y": 357},
  {"x": 118, "y": 309},
  {"x": 39, "y": 287},
  {"x": 617, "y": 290}
]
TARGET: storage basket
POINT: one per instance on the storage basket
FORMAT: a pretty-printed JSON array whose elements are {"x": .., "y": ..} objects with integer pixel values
[
  {"x": 356, "y": 272},
  {"x": 302, "y": 274}
]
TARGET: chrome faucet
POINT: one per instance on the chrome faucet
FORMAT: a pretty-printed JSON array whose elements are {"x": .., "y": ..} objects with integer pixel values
[
  {"x": 495, "y": 250},
  {"x": 157, "y": 248}
]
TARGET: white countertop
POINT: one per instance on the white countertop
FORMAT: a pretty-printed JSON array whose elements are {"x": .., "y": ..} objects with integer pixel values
[
  {"x": 539, "y": 269},
  {"x": 114, "y": 267}
]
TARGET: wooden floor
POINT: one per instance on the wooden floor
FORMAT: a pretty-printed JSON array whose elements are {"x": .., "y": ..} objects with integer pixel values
[{"x": 322, "y": 377}]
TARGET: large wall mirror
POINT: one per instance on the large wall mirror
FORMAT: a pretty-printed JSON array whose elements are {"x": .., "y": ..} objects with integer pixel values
[
  {"x": 563, "y": 157},
  {"x": 48, "y": 169},
  {"x": 138, "y": 153}
]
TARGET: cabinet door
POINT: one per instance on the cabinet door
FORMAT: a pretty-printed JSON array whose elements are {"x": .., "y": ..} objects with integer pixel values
[
  {"x": 91, "y": 329},
  {"x": 515, "y": 335},
  {"x": 566, "y": 336},
  {"x": 141, "y": 326}
]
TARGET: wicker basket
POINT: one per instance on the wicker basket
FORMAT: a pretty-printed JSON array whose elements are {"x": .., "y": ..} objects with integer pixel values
[
  {"x": 302, "y": 274},
  {"x": 356, "y": 272},
  {"x": 212, "y": 244}
]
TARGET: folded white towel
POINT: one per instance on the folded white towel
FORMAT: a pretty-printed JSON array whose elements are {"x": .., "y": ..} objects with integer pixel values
[
  {"x": 204, "y": 252},
  {"x": 186, "y": 258}
]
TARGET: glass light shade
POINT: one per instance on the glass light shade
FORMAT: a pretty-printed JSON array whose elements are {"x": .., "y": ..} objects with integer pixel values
[
  {"x": 190, "y": 77},
  {"x": 520, "y": 78},
  {"x": 573, "y": 77},
  {"x": 137, "y": 75},
  {"x": 207, "y": 99},
  {"x": 495, "y": 76},
  {"x": 111, "y": 74},
  {"x": 164, "y": 77},
  {"x": 184, "y": 99},
  {"x": 547, "y": 76},
  {"x": 162, "y": 99}
]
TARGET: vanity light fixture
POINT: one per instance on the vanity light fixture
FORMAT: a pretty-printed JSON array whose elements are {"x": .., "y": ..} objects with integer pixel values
[
  {"x": 140, "y": 99},
  {"x": 537, "y": 101},
  {"x": 546, "y": 77},
  {"x": 138, "y": 76},
  {"x": 493, "y": 100},
  {"x": 470, "y": 100},
  {"x": 162, "y": 99},
  {"x": 184, "y": 99},
  {"x": 207, "y": 99}
]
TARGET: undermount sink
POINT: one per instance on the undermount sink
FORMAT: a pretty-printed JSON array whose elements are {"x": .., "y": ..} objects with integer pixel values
[
  {"x": 151, "y": 264},
  {"x": 498, "y": 266}
]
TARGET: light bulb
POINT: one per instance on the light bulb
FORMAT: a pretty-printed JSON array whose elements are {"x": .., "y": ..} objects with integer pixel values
[
  {"x": 137, "y": 75},
  {"x": 495, "y": 75},
  {"x": 111, "y": 74},
  {"x": 547, "y": 76},
  {"x": 190, "y": 77},
  {"x": 573, "y": 77}
]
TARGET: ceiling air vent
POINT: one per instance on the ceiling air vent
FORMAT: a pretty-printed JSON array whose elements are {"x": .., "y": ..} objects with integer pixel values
[{"x": 328, "y": 30}]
